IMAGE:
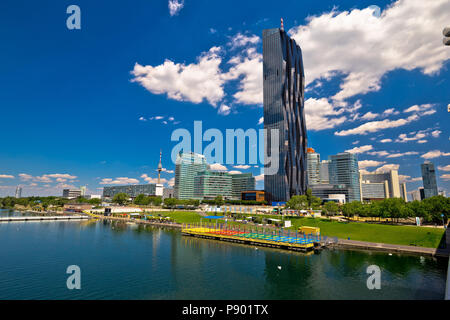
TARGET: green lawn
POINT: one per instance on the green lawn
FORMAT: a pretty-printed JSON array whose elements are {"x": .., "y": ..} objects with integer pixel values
[{"x": 404, "y": 235}]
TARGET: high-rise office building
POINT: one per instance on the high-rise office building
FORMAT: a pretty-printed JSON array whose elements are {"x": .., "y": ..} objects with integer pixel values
[
  {"x": 241, "y": 182},
  {"x": 186, "y": 168},
  {"x": 389, "y": 178},
  {"x": 343, "y": 169},
  {"x": 430, "y": 188},
  {"x": 132, "y": 190},
  {"x": 71, "y": 193},
  {"x": 284, "y": 82},
  {"x": 313, "y": 160},
  {"x": 210, "y": 184},
  {"x": 18, "y": 192},
  {"x": 403, "y": 192},
  {"x": 83, "y": 191},
  {"x": 324, "y": 172}
]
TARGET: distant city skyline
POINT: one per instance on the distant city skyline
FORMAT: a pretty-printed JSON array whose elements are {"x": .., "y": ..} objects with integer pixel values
[{"x": 99, "y": 104}]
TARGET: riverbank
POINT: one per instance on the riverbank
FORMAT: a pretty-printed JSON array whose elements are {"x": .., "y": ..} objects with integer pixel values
[{"x": 341, "y": 243}]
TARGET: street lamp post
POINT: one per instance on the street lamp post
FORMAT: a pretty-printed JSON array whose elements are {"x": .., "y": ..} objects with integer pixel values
[{"x": 446, "y": 33}]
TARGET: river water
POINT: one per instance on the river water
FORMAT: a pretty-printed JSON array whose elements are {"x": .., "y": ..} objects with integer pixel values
[{"x": 129, "y": 261}]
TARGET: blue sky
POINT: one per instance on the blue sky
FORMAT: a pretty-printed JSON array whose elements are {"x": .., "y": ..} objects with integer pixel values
[{"x": 71, "y": 100}]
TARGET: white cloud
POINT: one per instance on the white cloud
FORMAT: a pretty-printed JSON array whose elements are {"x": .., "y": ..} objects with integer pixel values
[
  {"x": 247, "y": 67},
  {"x": 167, "y": 171},
  {"x": 390, "y": 111},
  {"x": 355, "y": 142},
  {"x": 25, "y": 177},
  {"x": 444, "y": 168},
  {"x": 363, "y": 47},
  {"x": 6, "y": 176},
  {"x": 224, "y": 110},
  {"x": 242, "y": 166},
  {"x": 259, "y": 177},
  {"x": 234, "y": 172},
  {"x": 369, "y": 163},
  {"x": 436, "y": 133},
  {"x": 153, "y": 180},
  {"x": 419, "y": 108},
  {"x": 434, "y": 154},
  {"x": 360, "y": 149},
  {"x": 403, "y": 137},
  {"x": 142, "y": 119},
  {"x": 321, "y": 114},
  {"x": 212, "y": 30},
  {"x": 445, "y": 176},
  {"x": 261, "y": 120},
  {"x": 387, "y": 167},
  {"x": 374, "y": 126},
  {"x": 121, "y": 180},
  {"x": 175, "y": 6},
  {"x": 378, "y": 153},
  {"x": 386, "y": 140},
  {"x": 241, "y": 40},
  {"x": 194, "y": 82},
  {"x": 398, "y": 155},
  {"x": 369, "y": 116},
  {"x": 422, "y": 141},
  {"x": 218, "y": 167}
]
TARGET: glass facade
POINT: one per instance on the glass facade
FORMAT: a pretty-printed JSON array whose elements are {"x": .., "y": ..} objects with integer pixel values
[
  {"x": 131, "y": 190},
  {"x": 210, "y": 184},
  {"x": 241, "y": 182},
  {"x": 283, "y": 81},
  {"x": 391, "y": 177},
  {"x": 343, "y": 169},
  {"x": 324, "y": 172},
  {"x": 313, "y": 168},
  {"x": 186, "y": 168},
  {"x": 430, "y": 188}
]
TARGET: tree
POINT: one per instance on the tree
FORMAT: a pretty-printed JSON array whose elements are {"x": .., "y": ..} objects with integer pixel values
[
  {"x": 297, "y": 202},
  {"x": 120, "y": 198},
  {"x": 142, "y": 200},
  {"x": 218, "y": 200},
  {"x": 156, "y": 201},
  {"x": 331, "y": 208},
  {"x": 170, "y": 202}
]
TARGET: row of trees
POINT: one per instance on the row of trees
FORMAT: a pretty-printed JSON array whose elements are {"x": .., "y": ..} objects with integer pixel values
[{"x": 434, "y": 209}]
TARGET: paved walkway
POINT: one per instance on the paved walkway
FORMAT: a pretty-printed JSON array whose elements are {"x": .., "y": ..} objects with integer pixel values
[{"x": 398, "y": 248}]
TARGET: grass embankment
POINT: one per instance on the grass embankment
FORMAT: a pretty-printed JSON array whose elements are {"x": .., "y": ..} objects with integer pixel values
[{"x": 392, "y": 234}]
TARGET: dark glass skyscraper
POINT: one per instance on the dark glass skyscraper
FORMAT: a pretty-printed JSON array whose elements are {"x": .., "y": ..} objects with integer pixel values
[
  {"x": 284, "y": 86},
  {"x": 429, "y": 180}
]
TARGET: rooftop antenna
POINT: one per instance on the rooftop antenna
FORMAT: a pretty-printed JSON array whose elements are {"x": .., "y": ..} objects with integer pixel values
[
  {"x": 159, "y": 167},
  {"x": 282, "y": 25}
]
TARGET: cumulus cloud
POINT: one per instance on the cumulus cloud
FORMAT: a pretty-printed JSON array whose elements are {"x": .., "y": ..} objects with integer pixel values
[
  {"x": 6, "y": 176},
  {"x": 241, "y": 40},
  {"x": 195, "y": 82},
  {"x": 444, "y": 168},
  {"x": 242, "y": 166},
  {"x": 398, "y": 155},
  {"x": 218, "y": 167},
  {"x": 247, "y": 67},
  {"x": 153, "y": 180},
  {"x": 435, "y": 154},
  {"x": 360, "y": 149},
  {"x": 369, "y": 163},
  {"x": 234, "y": 172},
  {"x": 364, "y": 47},
  {"x": 261, "y": 120},
  {"x": 387, "y": 168},
  {"x": 321, "y": 114},
  {"x": 259, "y": 177},
  {"x": 175, "y": 6},
  {"x": 369, "y": 116},
  {"x": 378, "y": 153},
  {"x": 224, "y": 110},
  {"x": 445, "y": 176},
  {"x": 121, "y": 180},
  {"x": 374, "y": 126},
  {"x": 385, "y": 140},
  {"x": 25, "y": 177}
]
